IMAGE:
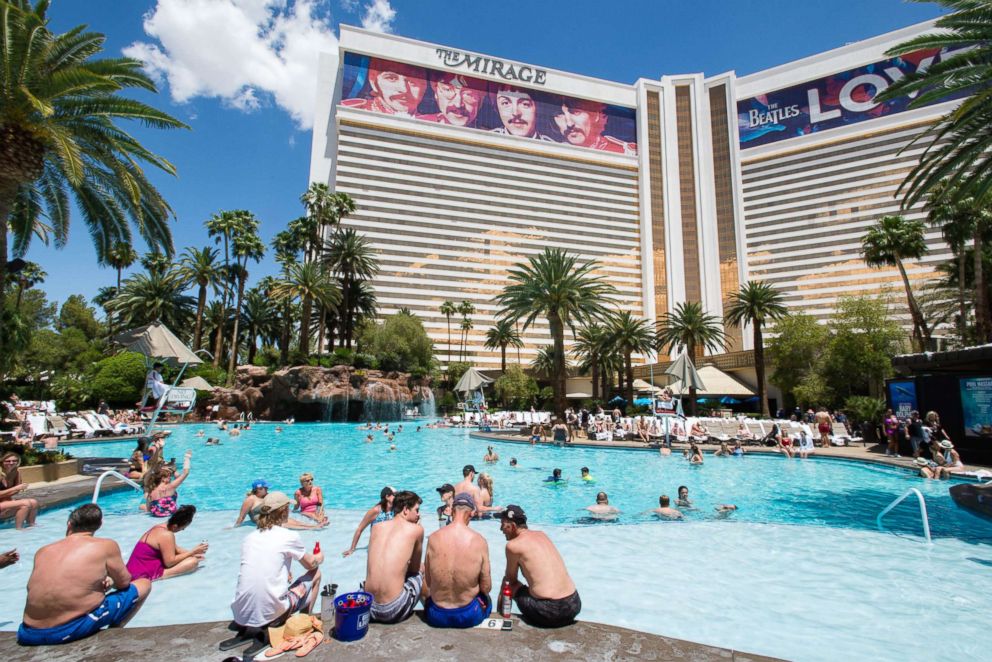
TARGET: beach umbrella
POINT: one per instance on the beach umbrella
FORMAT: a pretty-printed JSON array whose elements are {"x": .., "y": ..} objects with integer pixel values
[
  {"x": 577, "y": 396},
  {"x": 472, "y": 380},
  {"x": 685, "y": 373},
  {"x": 156, "y": 341},
  {"x": 727, "y": 400},
  {"x": 617, "y": 400},
  {"x": 199, "y": 383}
]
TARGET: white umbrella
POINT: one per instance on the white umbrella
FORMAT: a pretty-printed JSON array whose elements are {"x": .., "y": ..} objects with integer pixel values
[
  {"x": 199, "y": 383},
  {"x": 156, "y": 342},
  {"x": 472, "y": 380},
  {"x": 577, "y": 396},
  {"x": 685, "y": 373}
]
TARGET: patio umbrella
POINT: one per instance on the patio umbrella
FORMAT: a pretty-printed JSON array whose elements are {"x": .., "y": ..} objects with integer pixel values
[
  {"x": 199, "y": 383},
  {"x": 685, "y": 373},
  {"x": 617, "y": 400},
  {"x": 156, "y": 341},
  {"x": 727, "y": 400},
  {"x": 472, "y": 380},
  {"x": 577, "y": 396}
]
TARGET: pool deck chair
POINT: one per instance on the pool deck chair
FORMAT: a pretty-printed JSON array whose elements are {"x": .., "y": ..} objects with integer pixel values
[{"x": 839, "y": 436}]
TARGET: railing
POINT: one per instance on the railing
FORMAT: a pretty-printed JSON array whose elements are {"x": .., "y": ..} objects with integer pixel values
[
  {"x": 115, "y": 474},
  {"x": 923, "y": 511}
]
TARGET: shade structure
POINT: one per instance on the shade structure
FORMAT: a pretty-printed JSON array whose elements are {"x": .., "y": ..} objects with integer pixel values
[
  {"x": 617, "y": 400},
  {"x": 641, "y": 385},
  {"x": 472, "y": 380},
  {"x": 727, "y": 400},
  {"x": 577, "y": 396},
  {"x": 685, "y": 374},
  {"x": 156, "y": 341},
  {"x": 199, "y": 383},
  {"x": 718, "y": 383}
]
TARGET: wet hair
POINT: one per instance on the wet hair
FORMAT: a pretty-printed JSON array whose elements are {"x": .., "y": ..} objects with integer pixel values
[
  {"x": 486, "y": 481},
  {"x": 602, "y": 498},
  {"x": 183, "y": 516},
  {"x": 88, "y": 518},
  {"x": 664, "y": 501},
  {"x": 405, "y": 499},
  {"x": 683, "y": 487},
  {"x": 513, "y": 461},
  {"x": 585, "y": 470},
  {"x": 268, "y": 518},
  {"x": 556, "y": 473},
  {"x": 384, "y": 495}
]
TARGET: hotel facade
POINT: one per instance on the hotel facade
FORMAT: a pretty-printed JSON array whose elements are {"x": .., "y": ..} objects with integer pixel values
[{"x": 680, "y": 188}]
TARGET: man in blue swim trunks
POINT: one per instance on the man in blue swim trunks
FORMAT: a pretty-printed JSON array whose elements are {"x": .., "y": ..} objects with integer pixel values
[
  {"x": 456, "y": 571},
  {"x": 67, "y": 598}
]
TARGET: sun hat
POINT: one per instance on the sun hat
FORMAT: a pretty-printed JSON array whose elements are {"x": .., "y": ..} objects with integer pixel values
[
  {"x": 297, "y": 625},
  {"x": 922, "y": 461},
  {"x": 261, "y": 482},
  {"x": 946, "y": 444},
  {"x": 514, "y": 514},
  {"x": 463, "y": 499},
  {"x": 274, "y": 501}
]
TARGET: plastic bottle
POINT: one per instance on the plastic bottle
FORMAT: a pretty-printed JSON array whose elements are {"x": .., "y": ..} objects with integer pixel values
[
  {"x": 507, "y": 599},
  {"x": 316, "y": 548}
]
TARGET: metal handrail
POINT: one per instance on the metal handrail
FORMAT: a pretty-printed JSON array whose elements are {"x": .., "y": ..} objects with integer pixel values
[
  {"x": 116, "y": 474},
  {"x": 923, "y": 511}
]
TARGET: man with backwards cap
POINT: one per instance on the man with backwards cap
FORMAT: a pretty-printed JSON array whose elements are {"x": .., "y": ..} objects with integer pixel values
[
  {"x": 456, "y": 571},
  {"x": 549, "y": 599}
]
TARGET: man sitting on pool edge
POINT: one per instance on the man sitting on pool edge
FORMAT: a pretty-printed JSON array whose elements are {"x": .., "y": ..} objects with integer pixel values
[
  {"x": 456, "y": 571},
  {"x": 550, "y": 599},
  {"x": 66, "y": 599},
  {"x": 392, "y": 575}
]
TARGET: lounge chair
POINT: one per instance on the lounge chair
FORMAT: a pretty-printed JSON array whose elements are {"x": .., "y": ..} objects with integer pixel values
[
  {"x": 839, "y": 436},
  {"x": 757, "y": 432},
  {"x": 81, "y": 427}
]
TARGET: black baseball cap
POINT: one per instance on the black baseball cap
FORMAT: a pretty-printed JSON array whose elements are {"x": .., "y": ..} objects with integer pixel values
[
  {"x": 514, "y": 514},
  {"x": 447, "y": 487},
  {"x": 467, "y": 469}
]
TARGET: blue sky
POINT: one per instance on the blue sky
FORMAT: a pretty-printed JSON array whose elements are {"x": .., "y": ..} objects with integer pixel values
[{"x": 232, "y": 70}]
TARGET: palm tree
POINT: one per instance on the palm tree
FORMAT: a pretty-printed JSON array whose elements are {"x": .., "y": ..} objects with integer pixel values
[
  {"x": 629, "y": 334},
  {"x": 544, "y": 362},
  {"x": 310, "y": 283},
  {"x": 29, "y": 275},
  {"x": 246, "y": 245},
  {"x": 156, "y": 263},
  {"x": 155, "y": 297},
  {"x": 261, "y": 318},
  {"x": 587, "y": 349},
  {"x": 120, "y": 256},
  {"x": 58, "y": 106},
  {"x": 555, "y": 285},
  {"x": 324, "y": 209},
  {"x": 958, "y": 146},
  {"x": 349, "y": 256},
  {"x": 886, "y": 244},
  {"x": 199, "y": 266},
  {"x": 215, "y": 320},
  {"x": 502, "y": 335},
  {"x": 448, "y": 309},
  {"x": 287, "y": 245},
  {"x": 688, "y": 327},
  {"x": 756, "y": 303},
  {"x": 465, "y": 308},
  {"x": 222, "y": 227}
]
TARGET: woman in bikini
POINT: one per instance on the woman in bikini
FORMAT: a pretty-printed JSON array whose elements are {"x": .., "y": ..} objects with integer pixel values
[
  {"x": 23, "y": 510},
  {"x": 486, "y": 507},
  {"x": 162, "y": 499},
  {"x": 380, "y": 512},
  {"x": 310, "y": 500},
  {"x": 157, "y": 556}
]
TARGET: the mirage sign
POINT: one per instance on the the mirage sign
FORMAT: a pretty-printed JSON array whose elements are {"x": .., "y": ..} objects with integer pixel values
[{"x": 838, "y": 100}]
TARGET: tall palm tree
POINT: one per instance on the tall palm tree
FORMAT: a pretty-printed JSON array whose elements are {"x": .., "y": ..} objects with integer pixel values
[
  {"x": 690, "y": 328},
  {"x": 155, "y": 297},
  {"x": 261, "y": 318},
  {"x": 287, "y": 245},
  {"x": 310, "y": 283},
  {"x": 155, "y": 262},
  {"x": 199, "y": 266},
  {"x": 587, "y": 349},
  {"x": 629, "y": 335},
  {"x": 958, "y": 146},
  {"x": 350, "y": 257},
  {"x": 500, "y": 336},
  {"x": 756, "y": 303},
  {"x": 29, "y": 275},
  {"x": 120, "y": 256},
  {"x": 222, "y": 228},
  {"x": 888, "y": 243},
  {"x": 58, "y": 107},
  {"x": 215, "y": 319},
  {"x": 246, "y": 245},
  {"x": 448, "y": 309},
  {"x": 544, "y": 362},
  {"x": 324, "y": 209},
  {"x": 556, "y": 286},
  {"x": 465, "y": 309}
]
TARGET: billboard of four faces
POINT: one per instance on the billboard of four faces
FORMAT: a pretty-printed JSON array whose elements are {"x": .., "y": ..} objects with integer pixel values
[{"x": 452, "y": 98}]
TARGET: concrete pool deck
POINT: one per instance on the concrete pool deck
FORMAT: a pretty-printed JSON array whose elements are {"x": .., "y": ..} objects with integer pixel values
[{"x": 410, "y": 641}]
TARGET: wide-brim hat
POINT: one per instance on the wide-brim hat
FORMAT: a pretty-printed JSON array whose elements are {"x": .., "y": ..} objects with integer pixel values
[
  {"x": 296, "y": 625},
  {"x": 922, "y": 461},
  {"x": 946, "y": 444}
]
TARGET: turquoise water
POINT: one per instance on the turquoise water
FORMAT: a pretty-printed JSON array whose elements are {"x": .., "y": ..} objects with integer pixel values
[{"x": 766, "y": 488}]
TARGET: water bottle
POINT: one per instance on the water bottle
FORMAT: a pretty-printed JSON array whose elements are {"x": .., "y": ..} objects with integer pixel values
[{"x": 507, "y": 599}]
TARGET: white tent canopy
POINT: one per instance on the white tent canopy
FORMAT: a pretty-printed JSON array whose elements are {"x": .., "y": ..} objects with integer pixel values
[
  {"x": 472, "y": 380},
  {"x": 717, "y": 383},
  {"x": 199, "y": 383},
  {"x": 155, "y": 341},
  {"x": 641, "y": 385}
]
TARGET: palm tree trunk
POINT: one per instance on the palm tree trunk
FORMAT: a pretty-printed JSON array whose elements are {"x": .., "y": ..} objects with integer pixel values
[
  {"x": 8, "y": 193},
  {"x": 502, "y": 360},
  {"x": 320, "y": 331},
  {"x": 558, "y": 379},
  {"x": 251, "y": 343},
  {"x": 604, "y": 391},
  {"x": 201, "y": 305},
  {"x": 305, "y": 327},
  {"x": 346, "y": 309},
  {"x": 234, "y": 335},
  {"x": 449, "y": 338},
  {"x": 981, "y": 292},
  {"x": 595, "y": 381},
  {"x": 223, "y": 305},
  {"x": 219, "y": 339},
  {"x": 759, "y": 369},
  {"x": 628, "y": 364},
  {"x": 922, "y": 333},
  {"x": 690, "y": 349},
  {"x": 287, "y": 331}
]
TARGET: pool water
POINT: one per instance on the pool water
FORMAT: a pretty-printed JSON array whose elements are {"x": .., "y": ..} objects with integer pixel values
[{"x": 799, "y": 572}]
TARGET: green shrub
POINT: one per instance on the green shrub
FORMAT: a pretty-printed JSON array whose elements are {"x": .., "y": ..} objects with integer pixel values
[
  {"x": 399, "y": 343},
  {"x": 344, "y": 356},
  {"x": 363, "y": 360},
  {"x": 119, "y": 379},
  {"x": 30, "y": 457}
]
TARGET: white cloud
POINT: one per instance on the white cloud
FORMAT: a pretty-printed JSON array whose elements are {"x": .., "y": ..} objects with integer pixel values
[
  {"x": 248, "y": 53},
  {"x": 378, "y": 16},
  {"x": 348, "y": 5}
]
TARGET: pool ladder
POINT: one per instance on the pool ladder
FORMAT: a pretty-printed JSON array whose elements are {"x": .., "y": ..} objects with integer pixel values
[
  {"x": 115, "y": 474},
  {"x": 923, "y": 511}
]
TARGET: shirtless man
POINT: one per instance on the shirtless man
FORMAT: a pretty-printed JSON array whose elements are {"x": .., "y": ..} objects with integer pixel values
[
  {"x": 490, "y": 457},
  {"x": 665, "y": 509},
  {"x": 66, "y": 590},
  {"x": 603, "y": 510},
  {"x": 393, "y": 572},
  {"x": 549, "y": 598},
  {"x": 456, "y": 571},
  {"x": 468, "y": 484},
  {"x": 824, "y": 425}
]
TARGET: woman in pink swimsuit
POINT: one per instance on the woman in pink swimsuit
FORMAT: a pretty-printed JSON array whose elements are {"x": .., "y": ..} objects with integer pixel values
[
  {"x": 157, "y": 556},
  {"x": 310, "y": 500}
]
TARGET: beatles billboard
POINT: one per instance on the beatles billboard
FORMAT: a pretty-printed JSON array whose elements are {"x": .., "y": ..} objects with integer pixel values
[
  {"x": 509, "y": 107},
  {"x": 838, "y": 100}
]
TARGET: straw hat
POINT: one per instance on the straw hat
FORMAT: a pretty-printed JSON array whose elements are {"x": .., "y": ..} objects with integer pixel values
[
  {"x": 946, "y": 444},
  {"x": 296, "y": 625},
  {"x": 922, "y": 461}
]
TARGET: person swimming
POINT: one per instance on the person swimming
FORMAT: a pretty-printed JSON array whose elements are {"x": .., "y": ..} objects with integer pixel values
[
  {"x": 513, "y": 461},
  {"x": 683, "y": 498},
  {"x": 555, "y": 477},
  {"x": 586, "y": 476}
]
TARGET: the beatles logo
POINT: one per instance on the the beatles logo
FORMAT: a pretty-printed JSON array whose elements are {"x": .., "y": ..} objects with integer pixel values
[{"x": 488, "y": 66}]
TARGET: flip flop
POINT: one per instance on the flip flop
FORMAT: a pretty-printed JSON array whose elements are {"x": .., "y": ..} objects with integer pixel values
[{"x": 310, "y": 642}]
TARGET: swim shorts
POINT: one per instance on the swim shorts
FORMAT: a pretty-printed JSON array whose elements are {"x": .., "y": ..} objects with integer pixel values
[
  {"x": 460, "y": 617},
  {"x": 112, "y": 611},
  {"x": 300, "y": 590},
  {"x": 401, "y": 607},
  {"x": 547, "y": 613}
]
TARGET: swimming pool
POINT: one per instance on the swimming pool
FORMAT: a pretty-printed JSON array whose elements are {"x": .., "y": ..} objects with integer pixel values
[{"x": 800, "y": 562}]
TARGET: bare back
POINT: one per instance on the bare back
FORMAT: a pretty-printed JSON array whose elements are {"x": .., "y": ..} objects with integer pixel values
[
  {"x": 542, "y": 565},
  {"x": 394, "y": 554},
  {"x": 468, "y": 486},
  {"x": 457, "y": 566},
  {"x": 68, "y": 579}
]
